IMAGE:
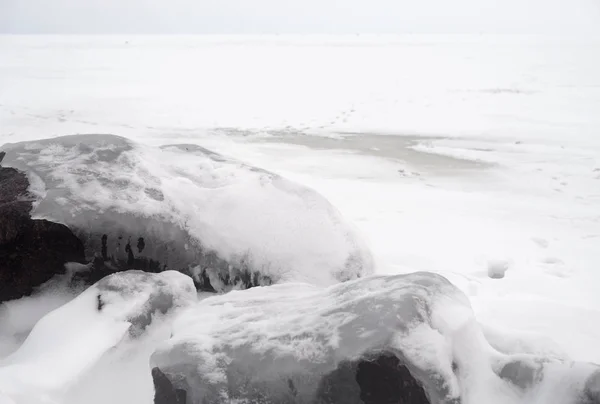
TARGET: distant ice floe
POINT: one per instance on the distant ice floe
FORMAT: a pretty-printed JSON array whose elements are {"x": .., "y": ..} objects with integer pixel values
[
  {"x": 380, "y": 339},
  {"x": 183, "y": 207},
  {"x": 104, "y": 331}
]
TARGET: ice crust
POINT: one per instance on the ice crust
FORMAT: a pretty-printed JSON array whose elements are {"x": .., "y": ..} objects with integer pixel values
[{"x": 184, "y": 207}]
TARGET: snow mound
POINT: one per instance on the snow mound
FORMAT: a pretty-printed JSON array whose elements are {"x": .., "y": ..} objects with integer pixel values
[
  {"x": 185, "y": 208},
  {"x": 372, "y": 340},
  {"x": 121, "y": 314}
]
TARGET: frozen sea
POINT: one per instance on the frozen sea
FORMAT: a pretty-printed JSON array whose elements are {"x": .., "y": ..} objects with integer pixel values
[{"x": 462, "y": 155}]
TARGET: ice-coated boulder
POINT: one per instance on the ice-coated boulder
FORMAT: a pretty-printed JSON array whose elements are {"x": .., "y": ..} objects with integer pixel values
[
  {"x": 179, "y": 207},
  {"x": 385, "y": 339},
  {"x": 121, "y": 318}
]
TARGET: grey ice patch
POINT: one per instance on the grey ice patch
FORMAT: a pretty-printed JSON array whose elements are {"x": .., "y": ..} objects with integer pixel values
[
  {"x": 108, "y": 155},
  {"x": 552, "y": 261},
  {"x": 199, "y": 150},
  {"x": 155, "y": 194},
  {"x": 195, "y": 149},
  {"x": 592, "y": 389},
  {"x": 158, "y": 303},
  {"x": 128, "y": 285},
  {"x": 541, "y": 242},
  {"x": 521, "y": 373},
  {"x": 74, "y": 268}
]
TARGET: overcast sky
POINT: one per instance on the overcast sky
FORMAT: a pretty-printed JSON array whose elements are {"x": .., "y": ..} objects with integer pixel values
[{"x": 300, "y": 16}]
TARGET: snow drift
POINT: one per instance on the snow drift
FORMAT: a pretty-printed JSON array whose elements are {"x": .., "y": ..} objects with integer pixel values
[
  {"x": 185, "y": 208},
  {"x": 404, "y": 338},
  {"x": 118, "y": 320}
]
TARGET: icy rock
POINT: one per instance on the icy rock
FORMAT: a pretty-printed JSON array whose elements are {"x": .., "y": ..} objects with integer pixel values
[
  {"x": 178, "y": 207},
  {"x": 592, "y": 388},
  {"x": 383, "y": 339},
  {"x": 65, "y": 345},
  {"x": 497, "y": 268},
  {"x": 300, "y": 343},
  {"x": 31, "y": 251}
]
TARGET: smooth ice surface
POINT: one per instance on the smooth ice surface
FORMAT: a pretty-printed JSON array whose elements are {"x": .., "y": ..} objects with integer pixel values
[
  {"x": 113, "y": 321},
  {"x": 190, "y": 201},
  {"x": 254, "y": 343}
]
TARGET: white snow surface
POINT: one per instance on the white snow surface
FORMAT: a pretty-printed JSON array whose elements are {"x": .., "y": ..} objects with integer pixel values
[
  {"x": 117, "y": 318},
  {"x": 464, "y": 150},
  {"x": 19, "y": 316}
]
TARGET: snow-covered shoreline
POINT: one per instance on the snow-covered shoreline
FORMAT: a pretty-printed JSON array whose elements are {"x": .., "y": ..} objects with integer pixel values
[{"x": 518, "y": 117}]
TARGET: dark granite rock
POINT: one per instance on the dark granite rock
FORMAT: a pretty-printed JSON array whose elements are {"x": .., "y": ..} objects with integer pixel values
[
  {"x": 31, "y": 251},
  {"x": 15, "y": 203},
  {"x": 375, "y": 379},
  {"x": 384, "y": 379}
]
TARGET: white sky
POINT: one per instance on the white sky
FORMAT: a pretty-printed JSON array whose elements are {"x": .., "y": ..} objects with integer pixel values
[{"x": 561, "y": 17}]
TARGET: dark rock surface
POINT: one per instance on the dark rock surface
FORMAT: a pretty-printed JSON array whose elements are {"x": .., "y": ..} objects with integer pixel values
[
  {"x": 31, "y": 251},
  {"x": 375, "y": 379},
  {"x": 592, "y": 389},
  {"x": 164, "y": 392},
  {"x": 385, "y": 379}
]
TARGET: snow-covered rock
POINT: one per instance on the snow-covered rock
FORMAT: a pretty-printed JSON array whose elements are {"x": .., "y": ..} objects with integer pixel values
[
  {"x": 402, "y": 339},
  {"x": 497, "y": 268},
  {"x": 122, "y": 318},
  {"x": 185, "y": 208}
]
